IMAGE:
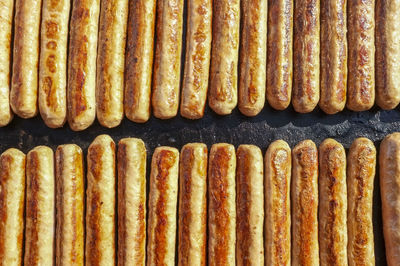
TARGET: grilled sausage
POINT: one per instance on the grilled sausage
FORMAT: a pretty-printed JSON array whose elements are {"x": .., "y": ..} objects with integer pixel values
[
  {"x": 249, "y": 206},
  {"x": 139, "y": 59},
  {"x": 131, "y": 202},
  {"x": 53, "y": 62},
  {"x": 162, "y": 206},
  {"x": 387, "y": 41},
  {"x": 304, "y": 194},
  {"x": 6, "y": 17},
  {"x": 361, "y": 163},
  {"x": 333, "y": 56},
  {"x": 278, "y": 165},
  {"x": 361, "y": 78},
  {"x": 279, "y": 54},
  {"x": 222, "y": 96},
  {"x": 82, "y": 64},
  {"x": 40, "y": 214},
  {"x": 192, "y": 205},
  {"x": 167, "y": 62},
  {"x": 197, "y": 61},
  {"x": 389, "y": 171},
  {"x": 221, "y": 205},
  {"x": 306, "y": 55},
  {"x": 70, "y": 205},
  {"x": 12, "y": 198},
  {"x": 332, "y": 204},
  {"x": 23, "y": 95},
  {"x": 100, "y": 202},
  {"x": 110, "y": 62}
]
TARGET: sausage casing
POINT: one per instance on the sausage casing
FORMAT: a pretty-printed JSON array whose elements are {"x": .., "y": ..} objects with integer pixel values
[
  {"x": 131, "y": 202},
  {"x": 361, "y": 61},
  {"x": 222, "y": 96},
  {"x": 70, "y": 205},
  {"x": 221, "y": 205},
  {"x": 304, "y": 194},
  {"x": 12, "y": 198},
  {"x": 192, "y": 205},
  {"x": 197, "y": 60},
  {"x": 100, "y": 202},
  {"x": 332, "y": 204},
  {"x": 40, "y": 213},
  {"x": 389, "y": 171},
  {"x": 278, "y": 165},
  {"x": 249, "y": 206}
]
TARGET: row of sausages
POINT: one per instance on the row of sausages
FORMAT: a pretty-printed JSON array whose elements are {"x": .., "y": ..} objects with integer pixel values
[
  {"x": 318, "y": 204},
  {"x": 109, "y": 69}
]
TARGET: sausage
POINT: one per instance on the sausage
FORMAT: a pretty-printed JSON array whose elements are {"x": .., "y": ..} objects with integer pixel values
[
  {"x": 361, "y": 163},
  {"x": 304, "y": 195},
  {"x": 279, "y": 54},
  {"x": 100, "y": 202},
  {"x": 197, "y": 61},
  {"x": 12, "y": 198},
  {"x": 70, "y": 205},
  {"x": 221, "y": 205},
  {"x": 167, "y": 62},
  {"x": 278, "y": 165},
  {"x": 162, "y": 206},
  {"x": 131, "y": 202},
  {"x": 389, "y": 171},
  {"x": 53, "y": 62},
  {"x": 361, "y": 78},
  {"x": 306, "y": 55},
  {"x": 387, "y": 41},
  {"x": 82, "y": 64},
  {"x": 222, "y": 95},
  {"x": 40, "y": 207},
  {"x": 332, "y": 204},
  {"x": 139, "y": 59},
  {"x": 110, "y": 62},
  {"x": 6, "y": 17},
  {"x": 23, "y": 95},
  {"x": 192, "y": 205},
  {"x": 249, "y": 206},
  {"x": 333, "y": 56},
  {"x": 253, "y": 57}
]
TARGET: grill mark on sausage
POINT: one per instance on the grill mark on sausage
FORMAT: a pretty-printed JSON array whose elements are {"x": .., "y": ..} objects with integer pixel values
[{"x": 6, "y": 162}]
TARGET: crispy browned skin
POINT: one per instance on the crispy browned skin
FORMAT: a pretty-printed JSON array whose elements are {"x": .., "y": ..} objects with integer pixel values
[
  {"x": 192, "y": 205},
  {"x": 222, "y": 96},
  {"x": 306, "y": 55},
  {"x": 167, "y": 61},
  {"x": 387, "y": 42},
  {"x": 389, "y": 171},
  {"x": 197, "y": 61},
  {"x": 221, "y": 205},
  {"x": 361, "y": 61},
  {"x": 332, "y": 204},
  {"x": 253, "y": 56},
  {"x": 333, "y": 56},
  {"x": 279, "y": 54},
  {"x": 23, "y": 95},
  {"x": 278, "y": 165},
  {"x": 12, "y": 199},
  {"x": 70, "y": 205},
  {"x": 304, "y": 194},
  {"x": 360, "y": 185},
  {"x": 139, "y": 59}
]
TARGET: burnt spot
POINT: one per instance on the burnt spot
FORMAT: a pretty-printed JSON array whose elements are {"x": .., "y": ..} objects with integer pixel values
[
  {"x": 5, "y": 166},
  {"x": 93, "y": 229},
  {"x": 51, "y": 63},
  {"x": 51, "y": 45},
  {"x": 51, "y": 29},
  {"x": 95, "y": 154},
  {"x": 51, "y": 97}
]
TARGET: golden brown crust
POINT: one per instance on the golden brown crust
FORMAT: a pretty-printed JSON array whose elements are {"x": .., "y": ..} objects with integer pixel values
[
  {"x": 139, "y": 59},
  {"x": 361, "y": 61},
  {"x": 332, "y": 203},
  {"x": 222, "y": 96},
  {"x": 277, "y": 203},
  {"x": 333, "y": 56}
]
